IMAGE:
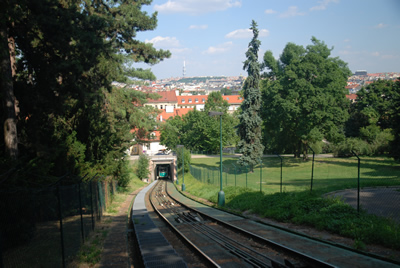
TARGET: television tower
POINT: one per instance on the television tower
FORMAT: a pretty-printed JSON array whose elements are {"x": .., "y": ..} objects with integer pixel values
[{"x": 184, "y": 68}]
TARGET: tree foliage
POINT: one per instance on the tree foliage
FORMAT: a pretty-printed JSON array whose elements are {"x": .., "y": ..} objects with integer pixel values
[
  {"x": 216, "y": 103},
  {"x": 64, "y": 56},
  {"x": 304, "y": 98},
  {"x": 197, "y": 131},
  {"x": 249, "y": 128},
  {"x": 143, "y": 167},
  {"x": 375, "y": 116},
  {"x": 183, "y": 156}
]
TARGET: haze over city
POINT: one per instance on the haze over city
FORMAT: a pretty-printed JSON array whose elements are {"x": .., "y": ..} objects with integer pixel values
[{"x": 211, "y": 36}]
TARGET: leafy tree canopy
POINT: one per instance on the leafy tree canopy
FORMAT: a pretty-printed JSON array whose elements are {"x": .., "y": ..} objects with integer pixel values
[
  {"x": 216, "y": 103},
  {"x": 64, "y": 56},
  {"x": 375, "y": 111},
  {"x": 303, "y": 98},
  {"x": 198, "y": 131}
]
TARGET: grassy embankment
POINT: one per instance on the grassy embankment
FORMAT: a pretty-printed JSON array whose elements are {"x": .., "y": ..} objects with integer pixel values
[
  {"x": 297, "y": 204},
  {"x": 90, "y": 252}
]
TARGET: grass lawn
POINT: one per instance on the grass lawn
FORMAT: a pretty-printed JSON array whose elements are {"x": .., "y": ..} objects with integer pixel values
[
  {"x": 296, "y": 203},
  {"x": 329, "y": 173}
]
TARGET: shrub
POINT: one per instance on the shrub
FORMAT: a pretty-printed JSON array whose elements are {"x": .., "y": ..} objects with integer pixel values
[
  {"x": 345, "y": 148},
  {"x": 143, "y": 167},
  {"x": 188, "y": 158}
]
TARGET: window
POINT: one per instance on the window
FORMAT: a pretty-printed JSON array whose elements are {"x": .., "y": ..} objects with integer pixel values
[
  {"x": 203, "y": 100},
  {"x": 196, "y": 100},
  {"x": 190, "y": 100},
  {"x": 161, "y": 107},
  {"x": 227, "y": 98},
  {"x": 156, "y": 107},
  {"x": 183, "y": 100}
]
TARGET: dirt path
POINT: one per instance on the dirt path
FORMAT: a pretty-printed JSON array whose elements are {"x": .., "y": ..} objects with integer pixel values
[{"x": 115, "y": 249}]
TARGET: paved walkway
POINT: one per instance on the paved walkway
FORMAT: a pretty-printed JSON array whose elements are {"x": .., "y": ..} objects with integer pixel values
[{"x": 381, "y": 201}]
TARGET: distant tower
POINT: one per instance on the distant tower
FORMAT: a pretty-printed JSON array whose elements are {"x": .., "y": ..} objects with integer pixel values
[{"x": 184, "y": 68}]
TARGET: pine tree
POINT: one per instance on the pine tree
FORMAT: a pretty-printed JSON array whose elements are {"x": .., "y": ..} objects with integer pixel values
[{"x": 249, "y": 128}]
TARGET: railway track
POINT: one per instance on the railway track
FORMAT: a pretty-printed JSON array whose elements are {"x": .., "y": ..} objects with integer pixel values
[{"x": 221, "y": 244}]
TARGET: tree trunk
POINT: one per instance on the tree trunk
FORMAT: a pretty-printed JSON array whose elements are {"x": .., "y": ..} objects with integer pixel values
[
  {"x": 305, "y": 152},
  {"x": 297, "y": 153},
  {"x": 7, "y": 49}
]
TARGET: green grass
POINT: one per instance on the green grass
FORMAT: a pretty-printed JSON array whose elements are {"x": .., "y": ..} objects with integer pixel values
[
  {"x": 329, "y": 173},
  {"x": 90, "y": 252},
  {"x": 297, "y": 204}
]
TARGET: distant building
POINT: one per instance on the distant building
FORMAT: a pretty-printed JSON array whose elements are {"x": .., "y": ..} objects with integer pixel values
[
  {"x": 361, "y": 73},
  {"x": 352, "y": 97}
]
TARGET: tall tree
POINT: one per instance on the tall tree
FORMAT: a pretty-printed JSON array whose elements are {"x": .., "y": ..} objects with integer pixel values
[
  {"x": 304, "y": 98},
  {"x": 249, "y": 128},
  {"x": 67, "y": 53}
]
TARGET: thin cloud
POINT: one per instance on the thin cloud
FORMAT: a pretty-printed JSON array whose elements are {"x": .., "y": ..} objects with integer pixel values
[
  {"x": 380, "y": 26},
  {"x": 270, "y": 11},
  {"x": 292, "y": 12},
  {"x": 196, "y": 7},
  {"x": 198, "y": 27},
  {"x": 164, "y": 42},
  {"x": 222, "y": 48},
  {"x": 323, "y": 5},
  {"x": 246, "y": 33}
]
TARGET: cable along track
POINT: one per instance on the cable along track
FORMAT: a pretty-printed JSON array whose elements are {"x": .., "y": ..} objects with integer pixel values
[{"x": 222, "y": 244}]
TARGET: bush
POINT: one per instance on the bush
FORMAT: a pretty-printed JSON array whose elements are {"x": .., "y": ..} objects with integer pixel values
[
  {"x": 143, "y": 167},
  {"x": 188, "y": 159},
  {"x": 345, "y": 148},
  {"x": 382, "y": 140}
]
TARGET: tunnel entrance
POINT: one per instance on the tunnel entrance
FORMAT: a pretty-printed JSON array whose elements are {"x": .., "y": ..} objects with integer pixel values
[{"x": 163, "y": 171}]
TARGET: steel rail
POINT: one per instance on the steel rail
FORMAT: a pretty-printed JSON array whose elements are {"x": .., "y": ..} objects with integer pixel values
[
  {"x": 307, "y": 258},
  {"x": 224, "y": 241},
  {"x": 198, "y": 250}
]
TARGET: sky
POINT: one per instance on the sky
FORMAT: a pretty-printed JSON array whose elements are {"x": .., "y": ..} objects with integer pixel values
[{"x": 212, "y": 36}]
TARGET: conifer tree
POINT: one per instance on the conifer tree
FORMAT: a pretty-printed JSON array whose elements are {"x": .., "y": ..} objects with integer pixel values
[{"x": 249, "y": 128}]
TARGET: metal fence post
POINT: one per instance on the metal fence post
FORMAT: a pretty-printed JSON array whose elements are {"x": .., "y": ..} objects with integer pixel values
[
  {"x": 80, "y": 210},
  {"x": 358, "y": 182},
  {"x": 281, "y": 168},
  {"x": 261, "y": 175},
  {"x": 1, "y": 253},
  {"x": 246, "y": 175},
  {"x": 235, "y": 173},
  {"x": 312, "y": 169},
  {"x": 61, "y": 225},
  {"x": 226, "y": 177}
]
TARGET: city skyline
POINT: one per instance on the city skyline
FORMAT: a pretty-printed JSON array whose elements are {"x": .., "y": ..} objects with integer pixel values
[{"x": 212, "y": 36}]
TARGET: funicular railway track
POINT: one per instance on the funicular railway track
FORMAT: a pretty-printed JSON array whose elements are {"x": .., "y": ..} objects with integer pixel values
[{"x": 222, "y": 244}]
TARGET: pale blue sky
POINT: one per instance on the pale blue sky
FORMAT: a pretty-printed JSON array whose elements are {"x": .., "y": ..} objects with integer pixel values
[{"x": 212, "y": 35}]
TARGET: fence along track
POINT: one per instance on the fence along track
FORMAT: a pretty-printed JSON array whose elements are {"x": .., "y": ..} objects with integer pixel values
[{"x": 205, "y": 225}]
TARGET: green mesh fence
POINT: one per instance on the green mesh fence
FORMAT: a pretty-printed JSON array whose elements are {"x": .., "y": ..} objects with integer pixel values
[
  {"x": 46, "y": 226},
  {"x": 375, "y": 183}
]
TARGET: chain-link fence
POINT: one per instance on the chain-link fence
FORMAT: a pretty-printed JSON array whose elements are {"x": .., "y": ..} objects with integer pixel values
[
  {"x": 46, "y": 226},
  {"x": 285, "y": 174}
]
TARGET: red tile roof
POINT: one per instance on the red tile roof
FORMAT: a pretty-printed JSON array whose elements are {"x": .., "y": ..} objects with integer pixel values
[
  {"x": 231, "y": 99},
  {"x": 193, "y": 99},
  {"x": 166, "y": 96},
  {"x": 178, "y": 111},
  {"x": 351, "y": 96}
]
